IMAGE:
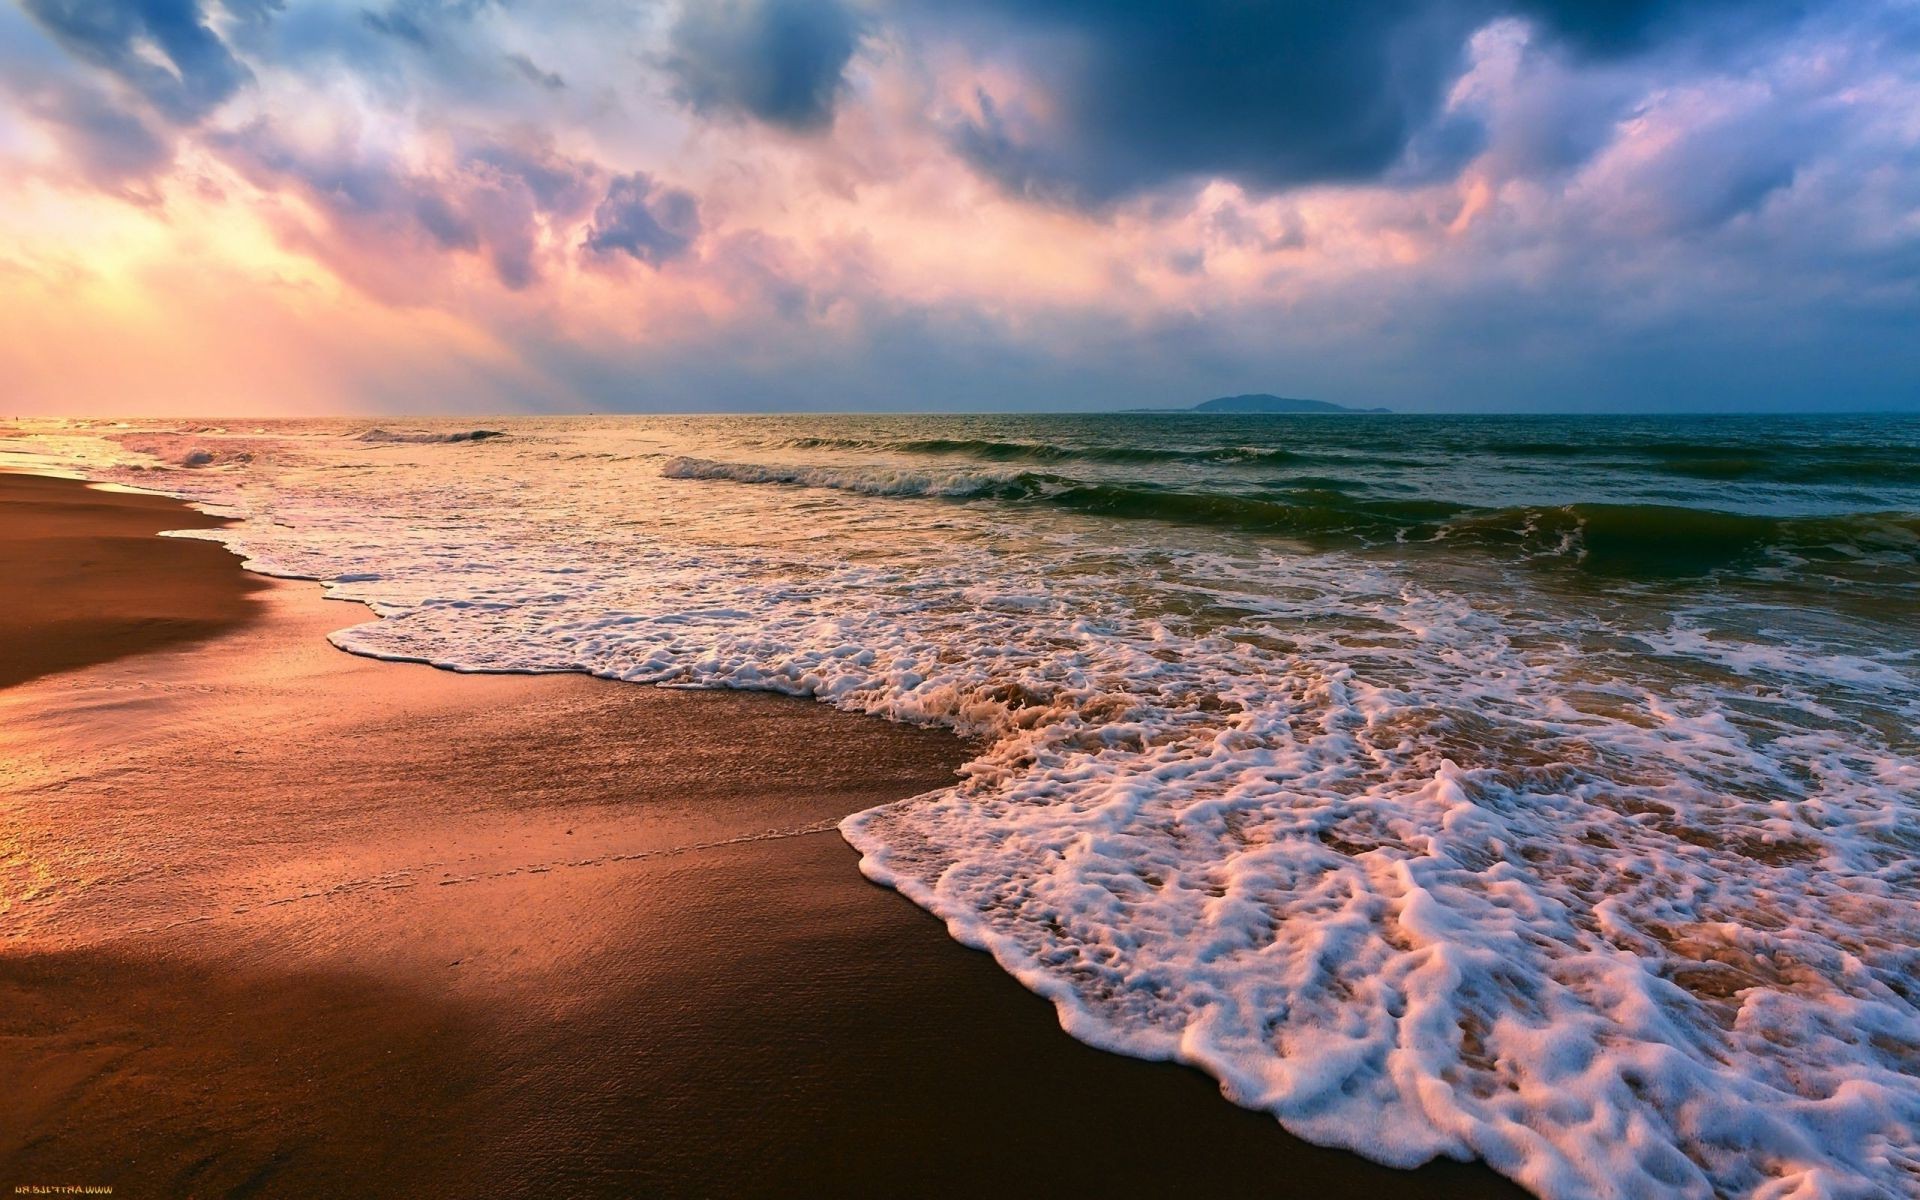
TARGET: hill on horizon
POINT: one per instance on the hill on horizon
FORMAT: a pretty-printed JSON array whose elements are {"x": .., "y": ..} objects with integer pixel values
[{"x": 1263, "y": 402}]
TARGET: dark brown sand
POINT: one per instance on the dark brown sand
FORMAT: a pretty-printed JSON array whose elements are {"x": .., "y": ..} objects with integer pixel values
[{"x": 275, "y": 920}]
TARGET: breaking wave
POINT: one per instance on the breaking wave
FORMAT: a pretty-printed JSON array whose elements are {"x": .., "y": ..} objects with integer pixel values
[
  {"x": 1007, "y": 451},
  {"x": 1629, "y": 540},
  {"x": 424, "y": 437},
  {"x": 867, "y": 481}
]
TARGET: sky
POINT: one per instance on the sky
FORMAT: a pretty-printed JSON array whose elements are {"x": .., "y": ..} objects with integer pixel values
[{"x": 312, "y": 206}]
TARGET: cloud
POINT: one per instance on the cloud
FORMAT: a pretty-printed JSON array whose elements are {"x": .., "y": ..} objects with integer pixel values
[
  {"x": 1701, "y": 159},
  {"x": 1006, "y": 202},
  {"x": 512, "y": 204},
  {"x": 1617, "y": 27},
  {"x": 1128, "y": 97},
  {"x": 778, "y": 61},
  {"x": 1117, "y": 99},
  {"x": 398, "y": 24},
  {"x": 253, "y": 14},
  {"x": 421, "y": 22},
  {"x": 1542, "y": 113},
  {"x": 109, "y": 147},
  {"x": 644, "y": 221},
  {"x": 533, "y": 73},
  {"x": 162, "y": 49}
]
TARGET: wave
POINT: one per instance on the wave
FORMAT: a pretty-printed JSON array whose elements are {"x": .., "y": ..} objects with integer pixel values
[
  {"x": 180, "y": 451},
  {"x": 1634, "y": 540},
  {"x": 1614, "y": 539},
  {"x": 1006, "y": 451},
  {"x": 1755, "y": 462},
  {"x": 423, "y": 437},
  {"x": 869, "y": 481},
  {"x": 1631, "y": 540},
  {"x": 1735, "y": 468}
]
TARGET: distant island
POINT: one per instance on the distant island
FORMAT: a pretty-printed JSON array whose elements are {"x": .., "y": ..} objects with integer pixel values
[{"x": 1261, "y": 402}]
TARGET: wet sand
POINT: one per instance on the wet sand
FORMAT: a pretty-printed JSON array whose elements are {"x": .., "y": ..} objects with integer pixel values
[
  {"x": 60, "y": 540},
  {"x": 276, "y": 920}
]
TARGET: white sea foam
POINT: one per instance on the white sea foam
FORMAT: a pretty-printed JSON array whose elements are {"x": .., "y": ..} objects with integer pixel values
[{"x": 1618, "y": 898}]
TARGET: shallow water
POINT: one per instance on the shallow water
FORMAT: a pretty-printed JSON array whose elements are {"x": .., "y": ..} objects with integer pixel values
[{"x": 1539, "y": 789}]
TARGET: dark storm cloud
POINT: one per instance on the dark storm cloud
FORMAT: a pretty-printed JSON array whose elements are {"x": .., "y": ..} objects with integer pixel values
[
  {"x": 779, "y": 61},
  {"x": 1266, "y": 94},
  {"x": 1269, "y": 95},
  {"x": 1614, "y": 27},
  {"x": 644, "y": 221},
  {"x": 124, "y": 37}
]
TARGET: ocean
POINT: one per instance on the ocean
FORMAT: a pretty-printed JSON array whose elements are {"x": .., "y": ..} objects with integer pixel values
[{"x": 1540, "y": 789}]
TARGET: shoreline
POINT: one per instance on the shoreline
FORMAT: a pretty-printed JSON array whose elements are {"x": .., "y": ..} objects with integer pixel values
[{"x": 287, "y": 919}]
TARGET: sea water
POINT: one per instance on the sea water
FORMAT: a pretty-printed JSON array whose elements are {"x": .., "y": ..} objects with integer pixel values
[{"x": 1545, "y": 790}]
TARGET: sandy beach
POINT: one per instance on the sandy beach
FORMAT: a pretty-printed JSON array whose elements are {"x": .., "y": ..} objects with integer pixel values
[
  {"x": 283, "y": 921},
  {"x": 88, "y": 582}
]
